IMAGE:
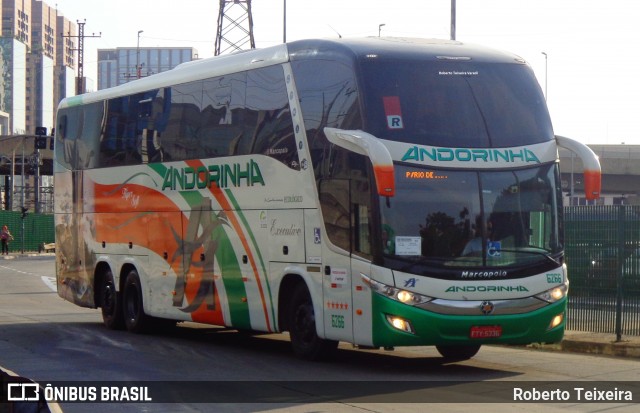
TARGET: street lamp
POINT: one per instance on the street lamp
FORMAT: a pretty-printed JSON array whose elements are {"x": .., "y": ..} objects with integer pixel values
[
  {"x": 546, "y": 59},
  {"x": 138, "y": 55},
  {"x": 284, "y": 22},
  {"x": 380, "y": 28}
]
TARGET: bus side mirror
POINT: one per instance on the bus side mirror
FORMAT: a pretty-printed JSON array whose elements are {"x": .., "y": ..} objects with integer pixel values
[
  {"x": 592, "y": 171},
  {"x": 366, "y": 144}
]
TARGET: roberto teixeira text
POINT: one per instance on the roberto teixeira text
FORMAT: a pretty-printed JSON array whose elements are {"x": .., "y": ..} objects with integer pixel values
[{"x": 575, "y": 394}]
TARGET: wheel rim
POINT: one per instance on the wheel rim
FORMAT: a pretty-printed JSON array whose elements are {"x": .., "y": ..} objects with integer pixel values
[{"x": 305, "y": 324}]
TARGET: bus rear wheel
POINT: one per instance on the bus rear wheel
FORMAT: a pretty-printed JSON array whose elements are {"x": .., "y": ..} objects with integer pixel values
[
  {"x": 302, "y": 328},
  {"x": 135, "y": 319},
  {"x": 110, "y": 301},
  {"x": 458, "y": 353}
]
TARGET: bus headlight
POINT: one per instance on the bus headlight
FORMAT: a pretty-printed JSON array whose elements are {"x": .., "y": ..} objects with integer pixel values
[
  {"x": 554, "y": 294},
  {"x": 400, "y": 324},
  {"x": 556, "y": 321},
  {"x": 403, "y": 296}
]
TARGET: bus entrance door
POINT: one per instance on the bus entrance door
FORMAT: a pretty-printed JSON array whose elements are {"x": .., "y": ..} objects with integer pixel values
[
  {"x": 361, "y": 310},
  {"x": 337, "y": 298}
]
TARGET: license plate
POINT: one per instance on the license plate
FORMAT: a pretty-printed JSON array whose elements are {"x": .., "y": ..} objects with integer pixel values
[{"x": 485, "y": 332}]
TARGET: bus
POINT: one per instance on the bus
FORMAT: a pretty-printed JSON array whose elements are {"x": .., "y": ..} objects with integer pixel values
[{"x": 381, "y": 192}]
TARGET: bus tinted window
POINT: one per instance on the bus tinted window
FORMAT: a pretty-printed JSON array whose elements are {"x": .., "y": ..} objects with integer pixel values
[
  {"x": 273, "y": 132},
  {"x": 69, "y": 122},
  {"x": 328, "y": 97},
  {"x": 237, "y": 114},
  {"x": 79, "y": 130},
  {"x": 464, "y": 104},
  {"x": 131, "y": 132}
]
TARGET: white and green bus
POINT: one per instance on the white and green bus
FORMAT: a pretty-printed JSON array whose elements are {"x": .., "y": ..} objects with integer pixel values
[{"x": 382, "y": 192}]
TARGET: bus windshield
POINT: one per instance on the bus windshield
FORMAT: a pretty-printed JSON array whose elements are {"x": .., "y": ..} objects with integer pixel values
[
  {"x": 462, "y": 104},
  {"x": 472, "y": 219}
]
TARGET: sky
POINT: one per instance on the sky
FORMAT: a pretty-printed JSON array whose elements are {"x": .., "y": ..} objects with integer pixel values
[{"x": 591, "y": 70}]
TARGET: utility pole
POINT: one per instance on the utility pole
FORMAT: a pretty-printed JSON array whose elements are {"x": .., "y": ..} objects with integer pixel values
[
  {"x": 235, "y": 26},
  {"x": 80, "y": 79},
  {"x": 138, "y": 68},
  {"x": 453, "y": 19}
]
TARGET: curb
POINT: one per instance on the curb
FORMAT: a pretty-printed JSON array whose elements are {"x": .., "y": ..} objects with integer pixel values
[
  {"x": 625, "y": 348},
  {"x": 604, "y": 344},
  {"x": 13, "y": 256}
]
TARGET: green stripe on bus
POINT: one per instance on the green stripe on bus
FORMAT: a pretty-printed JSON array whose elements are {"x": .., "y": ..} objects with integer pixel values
[
  {"x": 232, "y": 279},
  {"x": 256, "y": 248}
]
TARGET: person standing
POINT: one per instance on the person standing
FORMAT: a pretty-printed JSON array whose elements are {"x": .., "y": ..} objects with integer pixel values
[{"x": 5, "y": 236}]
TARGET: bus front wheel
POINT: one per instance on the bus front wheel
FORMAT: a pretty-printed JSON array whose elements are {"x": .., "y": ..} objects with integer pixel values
[
  {"x": 458, "y": 353},
  {"x": 135, "y": 319},
  {"x": 110, "y": 301},
  {"x": 302, "y": 328}
]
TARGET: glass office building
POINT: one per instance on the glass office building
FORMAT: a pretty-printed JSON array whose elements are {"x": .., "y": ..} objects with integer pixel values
[{"x": 124, "y": 64}]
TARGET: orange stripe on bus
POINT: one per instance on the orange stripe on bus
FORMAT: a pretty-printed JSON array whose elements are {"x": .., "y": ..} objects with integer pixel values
[{"x": 224, "y": 204}]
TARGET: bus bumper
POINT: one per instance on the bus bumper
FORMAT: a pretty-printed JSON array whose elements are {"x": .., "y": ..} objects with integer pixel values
[{"x": 428, "y": 328}]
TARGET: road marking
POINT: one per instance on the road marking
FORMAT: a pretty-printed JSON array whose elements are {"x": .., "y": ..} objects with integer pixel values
[
  {"x": 47, "y": 280},
  {"x": 50, "y": 282},
  {"x": 18, "y": 271}
]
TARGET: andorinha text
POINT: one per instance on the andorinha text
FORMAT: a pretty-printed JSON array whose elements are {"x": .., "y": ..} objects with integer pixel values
[
  {"x": 485, "y": 288},
  {"x": 223, "y": 176},
  {"x": 469, "y": 155}
]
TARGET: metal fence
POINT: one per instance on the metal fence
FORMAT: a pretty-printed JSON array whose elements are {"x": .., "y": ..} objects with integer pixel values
[
  {"x": 603, "y": 257},
  {"x": 29, "y": 233}
]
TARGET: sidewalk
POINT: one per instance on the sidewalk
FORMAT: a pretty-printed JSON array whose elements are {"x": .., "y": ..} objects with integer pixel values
[
  {"x": 14, "y": 255},
  {"x": 595, "y": 343}
]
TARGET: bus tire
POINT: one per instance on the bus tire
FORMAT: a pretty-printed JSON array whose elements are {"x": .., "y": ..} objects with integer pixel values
[
  {"x": 135, "y": 319},
  {"x": 110, "y": 303},
  {"x": 302, "y": 328},
  {"x": 458, "y": 353}
]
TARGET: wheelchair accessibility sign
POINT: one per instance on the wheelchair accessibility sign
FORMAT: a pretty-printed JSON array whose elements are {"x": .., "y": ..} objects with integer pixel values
[{"x": 493, "y": 248}]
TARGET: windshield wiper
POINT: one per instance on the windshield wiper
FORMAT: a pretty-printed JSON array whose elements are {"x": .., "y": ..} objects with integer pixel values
[
  {"x": 533, "y": 252},
  {"x": 423, "y": 260}
]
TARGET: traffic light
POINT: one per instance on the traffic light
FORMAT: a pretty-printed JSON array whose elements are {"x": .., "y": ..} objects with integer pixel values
[
  {"x": 41, "y": 142},
  {"x": 41, "y": 138}
]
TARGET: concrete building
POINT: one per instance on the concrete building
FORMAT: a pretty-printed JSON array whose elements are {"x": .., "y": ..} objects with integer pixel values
[
  {"x": 620, "y": 176},
  {"x": 40, "y": 108},
  {"x": 15, "y": 43},
  {"x": 124, "y": 64},
  {"x": 65, "y": 67},
  {"x": 36, "y": 63}
]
